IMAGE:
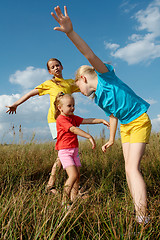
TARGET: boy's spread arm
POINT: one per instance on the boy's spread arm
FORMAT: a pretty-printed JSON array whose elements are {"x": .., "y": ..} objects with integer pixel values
[
  {"x": 95, "y": 121},
  {"x": 82, "y": 133},
  {"x": 113, "y": 128},
  {"x": 66, "y": 27},
  {"x": 13, "y": 107}
]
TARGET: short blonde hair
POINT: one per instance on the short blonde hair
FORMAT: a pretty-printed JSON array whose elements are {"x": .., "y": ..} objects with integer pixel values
[
  {"x": 85, "y": 69},
  {"x": 58, "y": 102}
]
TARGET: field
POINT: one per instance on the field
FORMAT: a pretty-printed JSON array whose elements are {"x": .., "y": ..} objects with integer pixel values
[{"x": 27, "y": 212}]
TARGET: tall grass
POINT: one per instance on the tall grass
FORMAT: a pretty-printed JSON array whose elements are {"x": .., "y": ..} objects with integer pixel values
[{"x": 27, "y": 212}]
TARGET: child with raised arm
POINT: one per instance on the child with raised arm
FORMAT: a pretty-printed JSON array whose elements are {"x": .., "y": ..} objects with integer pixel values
[
  {"x": 51, "y": 87},
  {"x": 118, "y": 102},
  {"x": 67, "y": 142}
]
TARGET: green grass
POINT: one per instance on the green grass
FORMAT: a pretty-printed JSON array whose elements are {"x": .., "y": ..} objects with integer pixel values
[{"x": 27, "y": 212}]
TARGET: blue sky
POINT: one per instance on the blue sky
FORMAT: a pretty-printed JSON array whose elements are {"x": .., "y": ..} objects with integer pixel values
[{"x": 125, "y": 33}]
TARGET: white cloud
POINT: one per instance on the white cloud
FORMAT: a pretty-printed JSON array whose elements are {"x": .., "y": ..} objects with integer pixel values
[
  {"x": 81, "y": 104},
  {"x": 33, "y": 109},
  {"x": 81, "y": 99},
  {"x": 156, "y": 123},
  {"x": 1, "y": 127},
  {"x": 135, "y": 37},
  {"x": 111, "y": 46},
  {"x": 151, "y": 101},
  {"x": 128, "y": 6},
  {"x": 7, "y": 100},
  {"x": 145, "y": 46},
  {"x": 149, "y": 19},
  {"x": 30, "y": 77},
  {"x": 31, "y": 115}
]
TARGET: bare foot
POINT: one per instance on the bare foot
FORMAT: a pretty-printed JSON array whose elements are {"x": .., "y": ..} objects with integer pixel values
[
  {"x": 54, "y": 191},
  {"x": 51, "y": 189},
  {"x": 83, "y": 195}
]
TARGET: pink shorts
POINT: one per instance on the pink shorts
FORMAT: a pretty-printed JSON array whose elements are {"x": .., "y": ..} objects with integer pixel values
[{"x": 69, "y": 157}]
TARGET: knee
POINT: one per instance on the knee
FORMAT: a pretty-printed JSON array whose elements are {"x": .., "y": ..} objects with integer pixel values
[
  {"x": 130, "y": 169},
  {"x": 74, "y": 176},
  {"x": 127, "y": 170}
]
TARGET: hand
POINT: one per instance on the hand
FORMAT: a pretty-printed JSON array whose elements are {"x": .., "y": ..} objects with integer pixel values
[
  {"x": 11, "y": 109},
  {"x": 106, "y": 123},
  {"x": 63, "y": 20},
  {"x": 91, "y": 139},
  {"x": 107, "y": 145}
]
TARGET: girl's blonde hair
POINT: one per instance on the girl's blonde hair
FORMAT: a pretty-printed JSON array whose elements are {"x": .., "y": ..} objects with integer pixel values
[
  {"x": 57, "y": 102},
  {"x": 85, "y": 69}
]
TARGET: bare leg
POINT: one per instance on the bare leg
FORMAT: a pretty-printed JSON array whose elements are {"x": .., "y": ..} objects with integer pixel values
[
  {"x": 133, "y": 154},
  {"x": 73, "y": 175},
  {"x": 56, "y": 168},
  {"x": 75, "y": 188},
  {"x": 126, "y": 147}
]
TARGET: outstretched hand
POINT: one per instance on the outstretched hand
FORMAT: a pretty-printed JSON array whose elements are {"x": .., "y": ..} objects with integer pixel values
[
  {"x": 106, "y": 123},
  {"x": 11, "y": 109},
  {"x": 107, "y": 145},
  {"x": 91, "y": 139},
  {"x": 63, "y": 20}
]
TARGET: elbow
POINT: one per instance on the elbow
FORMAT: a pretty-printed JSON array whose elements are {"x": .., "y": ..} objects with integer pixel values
[
  {"x": 33, "y": 92},
  {"x": 72, "y": 129}
]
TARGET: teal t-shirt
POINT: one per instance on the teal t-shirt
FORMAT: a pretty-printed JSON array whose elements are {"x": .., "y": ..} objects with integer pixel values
[{"x": 115, "y": 97}]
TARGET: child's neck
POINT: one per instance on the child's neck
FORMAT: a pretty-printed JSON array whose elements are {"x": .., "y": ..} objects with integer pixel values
[
  {"x": 60, "y": 76},
  {"x": 63, "y": 114}
]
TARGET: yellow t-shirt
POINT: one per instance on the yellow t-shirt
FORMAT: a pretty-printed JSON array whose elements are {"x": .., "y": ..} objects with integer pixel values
[{"x": 51, "y": 88}]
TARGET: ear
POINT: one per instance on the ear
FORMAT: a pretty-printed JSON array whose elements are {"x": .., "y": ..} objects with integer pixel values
[
  {"x": 84, "y": 78},
  {"x": 50, "y": 72},
  {"x": 59, "y": 107}
]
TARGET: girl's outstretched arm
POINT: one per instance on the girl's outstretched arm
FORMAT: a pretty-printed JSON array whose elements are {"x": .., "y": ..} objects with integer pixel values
[
  {"x": 95, "y": 121},
  {"x": 66, "y": 27},
  {"x": 13, "y": 107},
  {"x": 113, "y": 128},
  {"x": 82, "y": 133}
]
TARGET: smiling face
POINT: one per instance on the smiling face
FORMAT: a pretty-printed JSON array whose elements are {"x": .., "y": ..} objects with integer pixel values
[
  {"x": 55, "y": 68},
  {"x": 66, "y": 106}
]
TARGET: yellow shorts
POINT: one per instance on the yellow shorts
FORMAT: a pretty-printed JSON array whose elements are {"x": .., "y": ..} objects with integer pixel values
[{"x": 136, "y": 131}]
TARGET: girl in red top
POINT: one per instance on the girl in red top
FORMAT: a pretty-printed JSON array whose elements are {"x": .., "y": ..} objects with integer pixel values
[{"x": 67, "y": 142}]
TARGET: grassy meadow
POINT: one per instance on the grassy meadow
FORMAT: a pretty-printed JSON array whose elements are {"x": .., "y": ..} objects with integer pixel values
[{"x": 27, "y": 212}]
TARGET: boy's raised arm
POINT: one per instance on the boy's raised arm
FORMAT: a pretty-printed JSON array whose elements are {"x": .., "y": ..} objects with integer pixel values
[{"x": 66, "y": 27}]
